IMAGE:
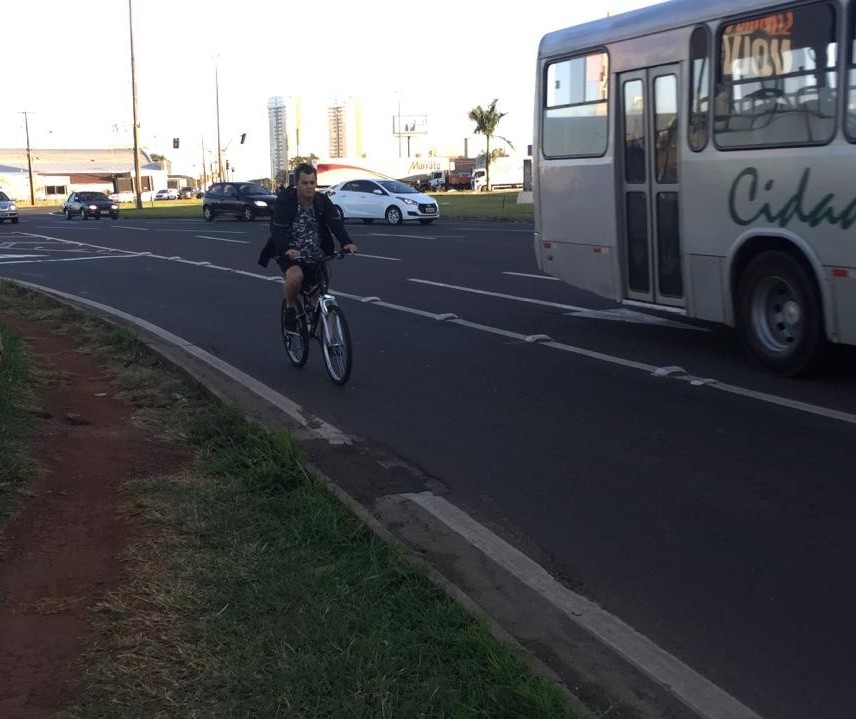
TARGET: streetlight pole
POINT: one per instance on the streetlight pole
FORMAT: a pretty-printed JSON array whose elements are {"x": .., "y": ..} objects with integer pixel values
[
  {"x": 217, "y": 97},
  {"x": 399, "y": 126},
  {"x": 139, "y": 199},
  {"x": 29, "y": 158},
  {"x": 204, "y": 175}
]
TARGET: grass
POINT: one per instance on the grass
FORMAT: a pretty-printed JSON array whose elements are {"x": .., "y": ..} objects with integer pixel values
[
  {"x": 499, "y": 205},
  {"x": 17, "y": 380},
  {"x": 258, "y": 594}
]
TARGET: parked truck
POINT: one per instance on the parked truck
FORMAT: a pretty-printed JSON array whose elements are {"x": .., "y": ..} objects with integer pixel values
[
  {"x": 442, "y": 180},
  {"x": 505, "y": 172}
]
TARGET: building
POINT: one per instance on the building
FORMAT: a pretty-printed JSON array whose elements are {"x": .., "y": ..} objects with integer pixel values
[
  {"x": 278, "y": 128},
  {"x": 56, "y": 173},
  {"x": 345, "y": 129}
]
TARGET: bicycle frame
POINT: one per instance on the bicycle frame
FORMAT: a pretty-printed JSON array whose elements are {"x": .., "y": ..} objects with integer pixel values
[
  {"x": 317, "y": 308},
  {"x": 320, "y": 316}
]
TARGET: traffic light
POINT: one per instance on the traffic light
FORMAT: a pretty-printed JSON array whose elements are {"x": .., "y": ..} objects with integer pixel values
[
  {"x": 243, "y": 137},
  {"x": 227, "y": 164},
  {"x": 175, "y": 142}
]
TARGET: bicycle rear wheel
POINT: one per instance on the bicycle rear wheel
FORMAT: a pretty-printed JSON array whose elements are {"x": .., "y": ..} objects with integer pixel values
[
  {"x": 296, "y": 341},
  {"x": 336, "y": 345}
]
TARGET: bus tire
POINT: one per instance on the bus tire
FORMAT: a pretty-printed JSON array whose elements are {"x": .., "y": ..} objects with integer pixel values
[{"x": 779, "y": 314}]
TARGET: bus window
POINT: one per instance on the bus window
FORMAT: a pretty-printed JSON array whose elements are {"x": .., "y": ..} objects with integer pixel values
[
  {"x": 634, "y": 132},
  {"x": 699, "y": 88},
  {"x": 776, "y": 82},
  {"x": 575, "y": 107},
  {"x": 850, "y": 113},
  {"x": 665, "y": 129}
]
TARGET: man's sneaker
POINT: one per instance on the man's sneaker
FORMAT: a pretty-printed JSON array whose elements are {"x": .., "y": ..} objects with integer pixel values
[{"x": 289, "y": 319}]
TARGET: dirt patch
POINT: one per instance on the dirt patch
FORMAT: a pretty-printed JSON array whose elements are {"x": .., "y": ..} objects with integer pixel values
[{"x": 62, "y": 551}]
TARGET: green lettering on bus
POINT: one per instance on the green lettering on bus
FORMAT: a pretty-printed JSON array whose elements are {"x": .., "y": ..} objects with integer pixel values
[{"x": 744, "y": 209}]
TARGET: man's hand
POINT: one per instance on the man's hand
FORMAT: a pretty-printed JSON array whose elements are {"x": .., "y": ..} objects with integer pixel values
[
  {"x": 350, "y": 247},
  {"x": 292, "y": 254}
]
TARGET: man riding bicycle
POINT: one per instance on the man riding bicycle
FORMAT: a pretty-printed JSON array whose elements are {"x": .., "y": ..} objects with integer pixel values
[{"x": 302, "y": 225}]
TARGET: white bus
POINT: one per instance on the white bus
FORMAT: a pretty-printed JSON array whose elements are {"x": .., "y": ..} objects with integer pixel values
[{"x": 700, "y": 157}]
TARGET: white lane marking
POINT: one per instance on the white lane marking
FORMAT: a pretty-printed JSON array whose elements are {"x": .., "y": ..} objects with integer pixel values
[
  {"x": 223, "y": 239},
  {"x": 673, "y": 373},
  {"x": 660, "y": 308},
  {"x": 219, "y": 232},
  {"x": 322, "y": 429},
  {"x": 537, "y": 277},
  {"x": 678, "y": 374},
  {"x": 87, "y": 226},
  {"x": 408, "y": 237},
  {"x": 574, "y": 311},
  {"x": 18, "y": 257},
  {"x": 689, "y": 686},
  {"x": 378, "y": 257},
  {"x": 624, "y": 315},
  {"x": 75, "y": 259},
  {"x": 65, "y": 227}
]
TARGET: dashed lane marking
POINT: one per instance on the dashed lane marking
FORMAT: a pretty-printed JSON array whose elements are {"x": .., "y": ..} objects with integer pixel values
[
  {"x": 223, "y": 239},
  {"x": 313, "y": 424}
]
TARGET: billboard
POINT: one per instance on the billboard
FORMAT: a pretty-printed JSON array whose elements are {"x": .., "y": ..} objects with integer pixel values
[{"x": 407, "y": 125}]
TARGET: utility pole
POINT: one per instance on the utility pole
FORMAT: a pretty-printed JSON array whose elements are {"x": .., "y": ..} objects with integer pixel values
[
  {"x": 204, "y": 175},
  {"x": 29, "y": 158},
  {"x": 217, "y": 97},
  {"x": 139, "y": 199}
]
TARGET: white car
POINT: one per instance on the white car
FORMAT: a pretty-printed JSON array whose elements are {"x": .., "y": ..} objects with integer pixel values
[
  {"x": 390, "y": 200},
  {"x": 169, "y": 194},
  {"x": 8, "y": 209}
]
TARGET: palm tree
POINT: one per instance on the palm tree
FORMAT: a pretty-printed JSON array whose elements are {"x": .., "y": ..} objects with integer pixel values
[{"x": 486, "y": 121}]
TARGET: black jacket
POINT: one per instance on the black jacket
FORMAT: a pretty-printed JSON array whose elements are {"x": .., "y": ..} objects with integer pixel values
[{"x": 285, "y": 210}]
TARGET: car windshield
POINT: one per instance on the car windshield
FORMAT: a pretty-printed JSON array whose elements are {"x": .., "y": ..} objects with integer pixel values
[
  {"x": 89, "y": 196},
  {"x": 251, "y": 188},
  {"x": 399, "y": 188},
  {"x": 4, "y": 197}
]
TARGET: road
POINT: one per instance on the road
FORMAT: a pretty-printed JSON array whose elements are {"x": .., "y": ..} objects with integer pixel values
[{"x": 709, "y": 508}]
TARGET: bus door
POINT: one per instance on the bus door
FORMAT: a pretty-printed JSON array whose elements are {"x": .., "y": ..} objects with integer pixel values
[{"x": 649, "y": 129}]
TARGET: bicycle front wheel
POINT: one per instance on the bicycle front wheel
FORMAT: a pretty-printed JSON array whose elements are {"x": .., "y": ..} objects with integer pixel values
[
  {"x": 296, "y": 340},
  {"x": 336, "y": 345}
]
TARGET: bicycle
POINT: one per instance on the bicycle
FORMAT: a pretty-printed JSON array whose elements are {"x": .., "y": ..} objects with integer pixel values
[{"x": 318, "y": 309}]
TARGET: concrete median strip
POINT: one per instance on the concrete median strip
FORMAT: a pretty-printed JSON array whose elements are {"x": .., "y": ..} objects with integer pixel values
[{"x": 666, "y": 671}]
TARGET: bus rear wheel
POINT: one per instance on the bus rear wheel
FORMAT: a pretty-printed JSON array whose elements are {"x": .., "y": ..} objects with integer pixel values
[{"x": 779, "y": 315}]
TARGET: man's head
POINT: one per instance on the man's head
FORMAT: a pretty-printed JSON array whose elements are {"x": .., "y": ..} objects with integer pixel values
[{"x": 305, "y": 180}]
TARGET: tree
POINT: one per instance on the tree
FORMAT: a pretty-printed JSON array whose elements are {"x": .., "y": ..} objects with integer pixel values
[
  {"x": 283, "y": 176},
  {"x": 486, "y": 120},
  {"x": 299, "y": 159}
]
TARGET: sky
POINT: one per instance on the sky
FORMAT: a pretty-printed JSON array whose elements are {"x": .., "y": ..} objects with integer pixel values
[{"x": 69, "y": 67}]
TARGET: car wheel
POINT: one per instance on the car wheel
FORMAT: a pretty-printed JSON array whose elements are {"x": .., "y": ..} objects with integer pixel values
[
  {"x": 393, "y": 215},
  {"x": 208, "y": 213},
  {"x": 14, "y": 220},
  {"x": 368, "y": 220},
  {"x": 68, "y": 214},
  {"x": 82, "y": 214},
  {"x": 248, "y": 214},
  {"x": 2, "y": 220},
  {"x": 114, "y": 217},
  {"x": 338, "y": 214},
  {"x": 426, "y": 222}
]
